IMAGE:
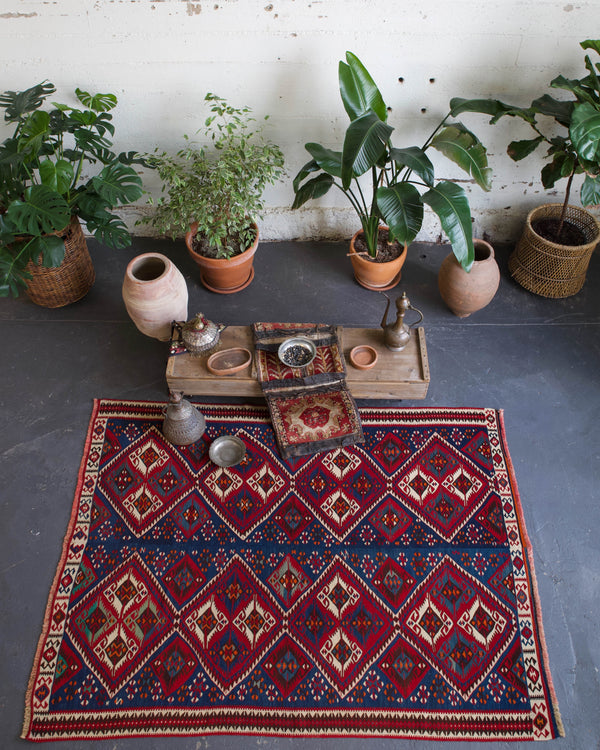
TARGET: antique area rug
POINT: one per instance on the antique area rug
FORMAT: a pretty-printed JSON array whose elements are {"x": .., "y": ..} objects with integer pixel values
[{"x": 383, "y": 589}]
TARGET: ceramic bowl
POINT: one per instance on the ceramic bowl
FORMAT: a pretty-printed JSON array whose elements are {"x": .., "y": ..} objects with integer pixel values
[
  {"x": 363, "y": 357},
  {"x": 229, "y": 361}
]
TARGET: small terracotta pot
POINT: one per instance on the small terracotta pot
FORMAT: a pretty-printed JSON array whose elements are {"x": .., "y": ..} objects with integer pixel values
[
  {"x": 224, "y": 275},
  {"x": 376, "y": 276},
  {"x": 463, "y": 292},
  {"x": 155, "y": 294}
]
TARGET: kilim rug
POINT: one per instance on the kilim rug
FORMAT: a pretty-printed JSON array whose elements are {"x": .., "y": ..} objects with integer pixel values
[
  {"x": 311, "y": 407},
  {"x": 381, "y": 590}
]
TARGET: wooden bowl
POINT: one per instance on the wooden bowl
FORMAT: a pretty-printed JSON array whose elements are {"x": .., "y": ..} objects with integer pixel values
[
  {"x": 363, "y": 357},
  {"x": 229, "y": 361}
]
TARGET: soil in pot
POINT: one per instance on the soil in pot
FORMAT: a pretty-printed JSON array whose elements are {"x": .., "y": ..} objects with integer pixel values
[
  {"x": 569, "y": 235},
  {"x": 386, "y": 251},
  {"x": 204, "y": 248}
]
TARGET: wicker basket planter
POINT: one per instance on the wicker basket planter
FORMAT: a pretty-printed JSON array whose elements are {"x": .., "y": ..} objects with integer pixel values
[
  {"x": 69, "y": 282},
  {"x": 548, "y": 268}
]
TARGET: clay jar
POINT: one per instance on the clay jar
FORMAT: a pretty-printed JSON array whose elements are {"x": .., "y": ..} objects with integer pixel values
[
  {"x": 155, "y": 294},
  {"x": 463, "y": 292}
]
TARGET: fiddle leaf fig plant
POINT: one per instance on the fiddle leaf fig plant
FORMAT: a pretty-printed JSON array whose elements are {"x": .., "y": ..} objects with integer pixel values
[
  {"x": 218, "y": 185},
  {"x": 573, "y": 141},
  {"x": 42, "y": 180},
  {"x": 402, "y": 180}
]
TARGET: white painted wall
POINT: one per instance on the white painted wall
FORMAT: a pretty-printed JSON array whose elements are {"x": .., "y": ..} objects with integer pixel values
[{"x": 280, "y": 57}]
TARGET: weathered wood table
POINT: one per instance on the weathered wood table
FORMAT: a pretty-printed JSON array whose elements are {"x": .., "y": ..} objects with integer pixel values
[{"x": 396, "y": 375}]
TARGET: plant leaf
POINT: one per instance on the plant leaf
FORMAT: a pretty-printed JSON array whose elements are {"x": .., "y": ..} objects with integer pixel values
[
  {"x": 555, "y": 170},
  {"x": 364, "y": 143},
  {"x": 415, "y": 159},
  {"x": 518, "y": 150},
  {"x": 561, "y": 111},
  {"x": 99, "y": 102},
  {"x": 118, "y": 183},
  {"x": 575, "y": 86},
  {"x": 585, "y": 131},
  {"x": 493, "y": 107},
  {"x": 57, "y": 175},
  {"x": 33, "y": 132},
  {"x": 18, "y": 103},
  {"x": 314, "y": 188},
  {"x": 327, "y": 160},
  {"x": 112, "y": 232},
  {"x": 402, "y": 210},
  {"x": 591, "y": 44},
  {"x": 450, "y": 203},
  {"x": 463, "y": 148},
  {"x": 590, "y": 191},
  {"x": 51, "y": 248},
  {"x": 43, "y": 211},
  {"x": 309, "y": 168},
  {"x": 358, "y": 90}
]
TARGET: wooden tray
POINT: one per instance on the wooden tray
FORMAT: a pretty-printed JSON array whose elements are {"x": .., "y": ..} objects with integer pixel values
[{"x": 397, "y": 375}]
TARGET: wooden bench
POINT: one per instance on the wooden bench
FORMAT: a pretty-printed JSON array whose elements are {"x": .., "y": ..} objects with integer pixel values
[{"x": 396, "y": 375}]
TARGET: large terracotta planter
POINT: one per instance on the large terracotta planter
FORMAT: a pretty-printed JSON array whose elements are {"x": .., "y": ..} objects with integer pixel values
[
  {"x": 155, "y": 294},
  {"x": 549, "y": 268},
  {"x": 375, "y": 276},
  {"x": 224, "y": 275},
  {"x": 61, "y": 285},
  {"x": 463, "y": 292}
]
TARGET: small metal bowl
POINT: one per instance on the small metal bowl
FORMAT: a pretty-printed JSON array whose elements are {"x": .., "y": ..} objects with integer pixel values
[
  {"x": 297, "y": 351},
  {"x": 227, "y": 450}
]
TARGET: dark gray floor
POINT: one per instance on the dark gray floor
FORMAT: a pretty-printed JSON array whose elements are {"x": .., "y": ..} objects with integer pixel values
[{"x": 536, "y": 359}]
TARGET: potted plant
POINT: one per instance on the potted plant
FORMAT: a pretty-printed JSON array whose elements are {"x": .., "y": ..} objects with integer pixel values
[
  {"x": 553, "y": 254},
  {"x": 215, "y": 194},
  {"x": 44, "y": 193},
  {"x": 391, "y": 212}
]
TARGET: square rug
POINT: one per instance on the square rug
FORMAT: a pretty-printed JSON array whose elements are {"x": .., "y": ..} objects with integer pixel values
[{"x": 381, "y": 589}]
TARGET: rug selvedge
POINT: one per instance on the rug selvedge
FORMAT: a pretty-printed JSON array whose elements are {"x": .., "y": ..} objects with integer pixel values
[{"x": 382, "y": 589}]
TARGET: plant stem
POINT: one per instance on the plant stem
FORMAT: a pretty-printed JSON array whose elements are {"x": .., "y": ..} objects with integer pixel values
[{"x": 563, "y": 213}]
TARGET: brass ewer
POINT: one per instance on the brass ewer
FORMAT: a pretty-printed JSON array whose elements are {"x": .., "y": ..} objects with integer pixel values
[{"x": 397, "y": 335}]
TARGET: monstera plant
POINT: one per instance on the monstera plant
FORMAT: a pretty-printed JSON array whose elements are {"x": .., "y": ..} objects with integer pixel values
[
  {"x": 44, "y": 180},
  {"x": 402, "y": 179}
]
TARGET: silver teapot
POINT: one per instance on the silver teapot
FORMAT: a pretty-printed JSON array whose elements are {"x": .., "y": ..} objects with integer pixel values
[{"x": 199, "y": 335}]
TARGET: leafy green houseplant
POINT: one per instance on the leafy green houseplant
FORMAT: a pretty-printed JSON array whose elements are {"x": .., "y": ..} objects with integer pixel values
[
  {"x": 553, "y": 253},
  {"x": 217, "y": 188},
  {"x": 402, "y": 180},
  {"x": 573, "y": 144},
  {"x": 43, "y": 182}
]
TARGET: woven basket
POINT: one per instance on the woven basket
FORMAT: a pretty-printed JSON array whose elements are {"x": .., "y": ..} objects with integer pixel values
[
  {"x": 548, "y": 268},
  {"x": 69, "y": 282}
]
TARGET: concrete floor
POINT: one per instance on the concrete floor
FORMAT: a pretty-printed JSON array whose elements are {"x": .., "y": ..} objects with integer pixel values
[{"x": 537, "y": 359}]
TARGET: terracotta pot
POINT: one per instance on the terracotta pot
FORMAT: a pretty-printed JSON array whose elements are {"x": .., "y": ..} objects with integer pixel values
[
  {"x": 155, "y": 294},
  {"x": 463, "y": 292},
  {"x": 548, "y": 268},
  {"x": 376, "y": 276},
  {"x": 224, "y": 275},
  {"x": 61, "y": 285}
]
